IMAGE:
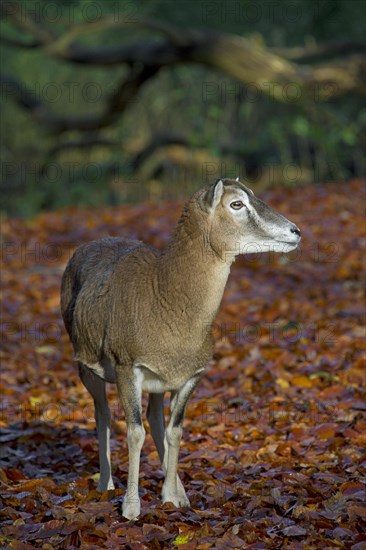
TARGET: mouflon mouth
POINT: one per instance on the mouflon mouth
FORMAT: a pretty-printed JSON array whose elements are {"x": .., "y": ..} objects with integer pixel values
[
  {"x": 294, "y": 242},
  {"x": 283, "y": 246},
  {"x": 290, "y": 243}
]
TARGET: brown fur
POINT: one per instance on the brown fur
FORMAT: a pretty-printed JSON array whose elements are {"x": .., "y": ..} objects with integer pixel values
[{"x": 141, "y": 318}]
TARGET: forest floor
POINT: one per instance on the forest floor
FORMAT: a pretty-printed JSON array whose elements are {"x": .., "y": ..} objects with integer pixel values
[{"x": 273, "y": 451}]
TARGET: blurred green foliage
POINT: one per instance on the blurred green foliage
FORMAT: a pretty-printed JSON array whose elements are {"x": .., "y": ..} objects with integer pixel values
[{"x": 243, "y": 131}]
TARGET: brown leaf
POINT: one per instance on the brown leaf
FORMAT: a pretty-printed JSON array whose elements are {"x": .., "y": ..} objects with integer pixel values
[
  {"x": 326, "y": 430},
  {"x": 356, "y": 511},
  {"x": 294, "y": 531}
]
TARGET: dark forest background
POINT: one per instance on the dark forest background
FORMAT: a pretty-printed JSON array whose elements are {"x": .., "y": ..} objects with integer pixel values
[{"x": 105, "y": 102}]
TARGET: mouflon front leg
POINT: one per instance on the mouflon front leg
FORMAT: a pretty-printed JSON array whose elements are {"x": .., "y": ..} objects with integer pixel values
[
  {"x": 156, "y": 419},
  {"x": 173, "y": 435},
  {"x": 129, "y": 384},
  {"x": 96, "y": 388}
]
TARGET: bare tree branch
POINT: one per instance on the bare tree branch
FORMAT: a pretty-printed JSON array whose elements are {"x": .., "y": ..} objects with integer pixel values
[
  {"x": 25, "y": 21},
  {"x": 57, "y": 123},
  {"x": 313, "y": 52},
  {"x": 237, "y": 57},
  {"x": 235, "y": 150},
  {"x": 161, "y": 140},
  {"x": 16, "y": 43},
  {"x": 13, "y": 88}
]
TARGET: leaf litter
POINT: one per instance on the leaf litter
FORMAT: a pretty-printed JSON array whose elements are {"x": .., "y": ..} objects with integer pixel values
[{"x": 273, "y": 452}]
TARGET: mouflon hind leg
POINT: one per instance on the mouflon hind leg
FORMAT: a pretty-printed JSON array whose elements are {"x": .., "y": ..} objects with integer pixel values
[{"x": 96, "y": 388}]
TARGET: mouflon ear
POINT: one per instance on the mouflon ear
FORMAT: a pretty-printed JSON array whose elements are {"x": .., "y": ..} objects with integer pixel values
[{"x": 213, "y": 196}]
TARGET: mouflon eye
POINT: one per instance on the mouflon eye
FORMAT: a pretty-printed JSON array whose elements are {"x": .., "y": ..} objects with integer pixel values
[{"x": 237, "y": 205}]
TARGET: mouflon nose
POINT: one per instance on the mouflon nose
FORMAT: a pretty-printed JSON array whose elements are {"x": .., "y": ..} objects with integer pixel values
[{"x": 296, "y": 231}]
